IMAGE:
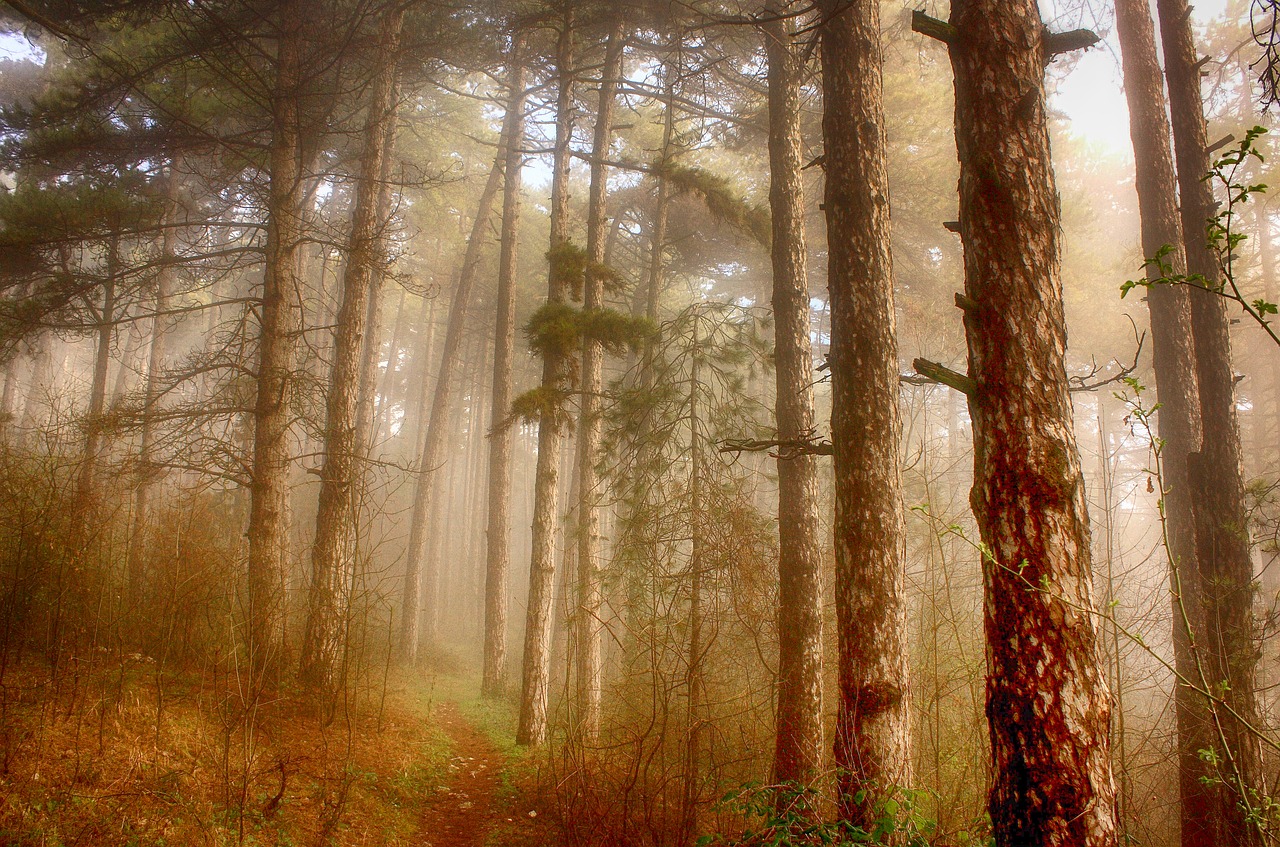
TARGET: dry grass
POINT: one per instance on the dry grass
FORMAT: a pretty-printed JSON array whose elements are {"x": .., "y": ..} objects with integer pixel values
[{"x": 112, "y": 756}]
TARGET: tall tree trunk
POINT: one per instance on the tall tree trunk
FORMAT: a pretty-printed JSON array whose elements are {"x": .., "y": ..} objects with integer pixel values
[
  {"x": 366, "y": 431},
  {"x": 155, "y": 366},
  {"x": 277, "y": 340},
  {"x": 333, "y": 551},
  {"x": 12, "y": 373},
  {"x": 586, "y": 616},
  {"x": 872, "y": 745},
  {"x": 86, "y": 491},
  {"x": 498, "y": 528},
  {"x": 799, "y": 743},
  {"x": 1178, "y": 395},
  {"x": 1269, "y": 412},
  {"x": 35, "y": 403},
  {"x": 427, "y": 490},
  {"x": 387, "y": 386},
  {"x": 532, "y": 726},
  {"x": 1047, "y": 701},
  {"x": 126, "y": 366},
  {"x": 1217, "y": 488},
  {"x": 695, "y": 684},
  {"x": 646, "y": 302}
]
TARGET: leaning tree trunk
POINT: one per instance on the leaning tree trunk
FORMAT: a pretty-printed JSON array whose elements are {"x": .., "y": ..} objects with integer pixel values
[
  {"x": 333, "y": 551},
  {"x": 1047, "y": 701},
  {"x": 799, "y": 742},
  {"x": 1217, "y": 488},
  {"x": 532, "y": 726},
  {"x": 498, "y": 532},
  {"x": 873, "y": 729},
  {"x": 277, "y": 340},
  {"x": 427, "y": 487},
  {"x": 586, "y": 616},
  {"x": 1179, "y": 415}
]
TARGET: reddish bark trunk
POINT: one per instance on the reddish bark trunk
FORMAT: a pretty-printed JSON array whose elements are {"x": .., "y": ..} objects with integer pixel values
[
  {"x": 1047, "y": 702},
  {"x": 873, "y": 731}
]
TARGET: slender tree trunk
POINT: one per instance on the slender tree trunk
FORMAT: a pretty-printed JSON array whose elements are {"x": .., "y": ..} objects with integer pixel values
[
  {"x": 124, "y": 367},
  {"x": 387, "y": 388},
  {"x": 1178, "y": 395},
  {"x": 1047, "y": 701},
  {"x": 366, "y": 431},
  {"x": 12, "y": 373},
  {"x": 532, "y": 726},
  {"x": 1269, "y": 413},
  {"x": 36, "y": 400},
  {"x": 587, "y": 615},
  {"x": 799, "y": 742},
  {"x": 498, "y": 528},
  {"x": 646, "y": 303},
  {"x": 695, "y": 684},
  {"x": 873, "y": 743},
  {"x": 155, "y": 369},
  {"x": 333, "y": 551},
  {"x": 420, "y": 390},
  {"x": 426, "y": 490},
  {"x": 86, "y": 494},
  {"x": 1112, "y": 637},
  {"x": 1216, "y": 484}
]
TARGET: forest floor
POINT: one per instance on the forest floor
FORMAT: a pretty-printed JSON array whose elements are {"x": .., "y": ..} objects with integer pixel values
[{"x": 118, "y": 753}]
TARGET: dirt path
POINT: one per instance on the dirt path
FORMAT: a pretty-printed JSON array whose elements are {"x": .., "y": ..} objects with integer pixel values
[{"x": 462, "y": 811}]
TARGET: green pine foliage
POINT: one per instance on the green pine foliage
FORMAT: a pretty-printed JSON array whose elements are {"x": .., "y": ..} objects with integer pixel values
[{"x": 724, "y": 204}]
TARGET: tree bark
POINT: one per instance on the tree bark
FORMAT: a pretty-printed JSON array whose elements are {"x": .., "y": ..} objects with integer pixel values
[
  {"x": 532, "y": 726},
  {"x": 1177, "y": 393},
  {"x": 12, "y": 374},
  {"x": 333, "y": 550},
  {"x": 86, "y": 490},
  {"x": 427, "y": 490},
  {"x": 427, "y": 486},
  {"x": 799, "y": 740},
  {"x": 277, "y": 340},
  {"x": 366, "y": 429},
  {"x": 1217, "y": 487},
  {"x": 586, "y": 616},
  {"x": 155, "y": 366},
  {"x": 695, "y": 683},
  {"x": 872, "y": 745},
  {"x": 387, "y": 389},
  {"x": 1047, "y": 702}
]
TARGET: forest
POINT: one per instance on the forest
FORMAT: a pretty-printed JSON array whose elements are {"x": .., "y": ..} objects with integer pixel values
[{"x": 679, "y": 423}]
